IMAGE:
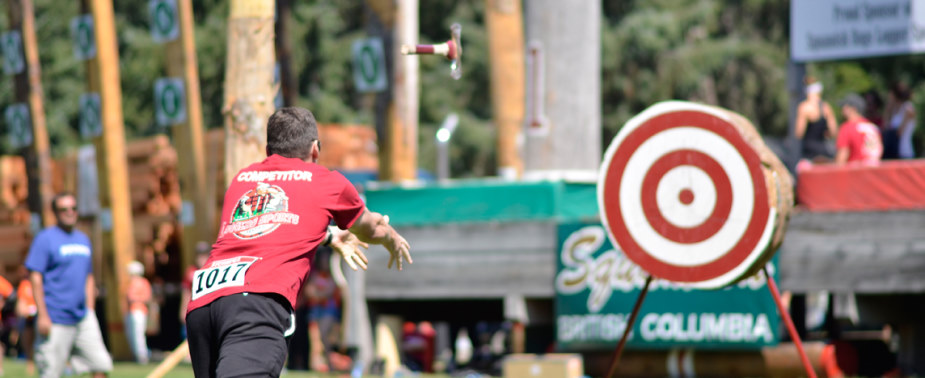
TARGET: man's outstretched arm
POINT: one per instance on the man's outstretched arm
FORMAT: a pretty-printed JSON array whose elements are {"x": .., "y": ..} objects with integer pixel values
[{"x": 374, "y": 228}]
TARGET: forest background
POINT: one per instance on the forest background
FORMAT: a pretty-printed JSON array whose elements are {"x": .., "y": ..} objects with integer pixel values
[{"x": 730, "y": 53}]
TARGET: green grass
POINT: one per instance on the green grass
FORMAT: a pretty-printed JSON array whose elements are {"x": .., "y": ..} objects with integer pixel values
[{"x": 17, "y": 368}]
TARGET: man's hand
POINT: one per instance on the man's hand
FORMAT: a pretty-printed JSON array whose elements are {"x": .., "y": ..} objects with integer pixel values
[
  {"x": 43, "y": 324},
  {"x": 398, "y": 247},
  {"x": 347, "y": 244}
]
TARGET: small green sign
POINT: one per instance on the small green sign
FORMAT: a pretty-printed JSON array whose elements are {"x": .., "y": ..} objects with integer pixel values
[
  {"x": 19, "y": 125},
  {"x": 369, "y": 72},
  {"x": 11, "y": 44},
  {"x": 170, "y": 101},
  {"x": 83, "y": 37},
  {"x": 597, "y": 286},
  {"x": 90, "y": 124},
  {"x": 165, "y": 21}
]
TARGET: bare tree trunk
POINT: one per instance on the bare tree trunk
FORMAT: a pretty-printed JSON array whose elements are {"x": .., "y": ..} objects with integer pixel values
[
  {"x": 119, "y": 241},
  {"x": 287, "y": 83},
  {"x": 248, "y": 83},
  {"x": 506, "y": 44},
  {"x": 29, "y": 90},
  {"x": 188, "y": 138}
]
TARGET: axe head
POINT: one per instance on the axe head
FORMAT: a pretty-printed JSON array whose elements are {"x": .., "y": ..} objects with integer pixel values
[{"x": 455, "y": 53}]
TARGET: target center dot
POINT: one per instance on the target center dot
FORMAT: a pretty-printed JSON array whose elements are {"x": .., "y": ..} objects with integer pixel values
[{"x": 686, "y": 196}]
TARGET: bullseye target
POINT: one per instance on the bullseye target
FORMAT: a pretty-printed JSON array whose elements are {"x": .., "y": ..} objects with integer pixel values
[{"x": 684, "y": 195}]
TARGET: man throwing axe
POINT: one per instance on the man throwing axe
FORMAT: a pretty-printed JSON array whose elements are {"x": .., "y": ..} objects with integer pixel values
[{"x": 276, "y": 213}]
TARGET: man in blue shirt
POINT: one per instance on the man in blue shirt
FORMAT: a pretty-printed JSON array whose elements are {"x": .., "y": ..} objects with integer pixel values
[{"x": 61, "y": 271}]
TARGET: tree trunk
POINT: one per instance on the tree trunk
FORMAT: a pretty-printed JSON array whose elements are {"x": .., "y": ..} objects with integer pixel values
[
  {"x": 506, "y": 45},
  {"x": 119, "y": 239},
  {"x": 188, "y": 138},
  {"x": 248, "y": 83},
  {"x": 28, "y": 90}
]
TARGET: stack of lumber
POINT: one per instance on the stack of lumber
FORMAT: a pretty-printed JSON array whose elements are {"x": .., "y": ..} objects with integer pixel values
[
  {"x": 154, "y": 184},
  {"x": 349, "y": 147},
  {"x": 15, "y": 233},
  {"x": 14, "y": 190}
]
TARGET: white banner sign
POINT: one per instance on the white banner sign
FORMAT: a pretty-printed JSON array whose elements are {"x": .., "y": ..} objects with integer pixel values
[{"x": 839, "y": 29}]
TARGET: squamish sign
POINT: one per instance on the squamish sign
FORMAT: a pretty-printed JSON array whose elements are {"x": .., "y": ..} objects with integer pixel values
[{"x": 596, "y": 287}]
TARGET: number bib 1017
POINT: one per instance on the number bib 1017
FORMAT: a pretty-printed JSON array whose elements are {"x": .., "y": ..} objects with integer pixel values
[{"x": 221, "y": 274}]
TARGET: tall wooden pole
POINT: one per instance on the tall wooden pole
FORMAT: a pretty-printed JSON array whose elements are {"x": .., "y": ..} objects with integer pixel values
[
  {"x": 287, "y": 84},
  {"x": 248, "y": 83},
  {"x": 181, "y": 62},
  {"x": 564, "y": 122},
  {"x": 403, "y": 113},
  {"x": 398, "y": 109},
  {"x": 506, "y": 49},
  {"x": 28, "y": 85},
  {"x": 119, "y": 242}
]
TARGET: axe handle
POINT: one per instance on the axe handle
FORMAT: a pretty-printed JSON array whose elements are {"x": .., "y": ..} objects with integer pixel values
[
  {"x": 438, "y": 49},
  {"x": 171, "y": 361}
]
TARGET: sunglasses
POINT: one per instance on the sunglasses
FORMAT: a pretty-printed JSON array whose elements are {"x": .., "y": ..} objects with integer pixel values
[{"x": 64, "y": 209}]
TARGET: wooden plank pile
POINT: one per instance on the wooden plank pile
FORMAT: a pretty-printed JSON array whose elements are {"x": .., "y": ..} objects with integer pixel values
[{"x": 15, "y": 234}]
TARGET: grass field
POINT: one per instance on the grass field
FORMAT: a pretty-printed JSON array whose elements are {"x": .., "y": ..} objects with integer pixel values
[{"x": 17, "y": 368}]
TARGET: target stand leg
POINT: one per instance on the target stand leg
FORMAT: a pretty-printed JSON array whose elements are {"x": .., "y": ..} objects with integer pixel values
[
  {"x": 788, "y": 321},
  {"x": 629, "y": 328}
]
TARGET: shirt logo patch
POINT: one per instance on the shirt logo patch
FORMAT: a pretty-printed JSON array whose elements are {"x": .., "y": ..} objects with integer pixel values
[
  {"x": 258, "y": 212},
  {"x": 74, "y": 249}
]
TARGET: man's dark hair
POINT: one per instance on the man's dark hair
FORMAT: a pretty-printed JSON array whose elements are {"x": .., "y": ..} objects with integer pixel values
[
  {"x": 54, "y": 200},
  {"x": 291, "y": 132}
]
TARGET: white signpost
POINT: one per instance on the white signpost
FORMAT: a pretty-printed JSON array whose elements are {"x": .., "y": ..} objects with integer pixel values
[
  {"x": 840, "y": 29},
  {"x": 169, "y": 101},
  {"x": 83, "y": 37},
  {"x": 11, "y": 43},
  {"x": 90, "y": 123},
  {"x": 19, "y": 125},
  {"x": 369, "y": 71},
  {"x": 165, "y": 25}
]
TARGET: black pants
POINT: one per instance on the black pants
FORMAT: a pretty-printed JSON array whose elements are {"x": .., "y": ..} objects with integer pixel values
[{"x": 240, "y": 335}]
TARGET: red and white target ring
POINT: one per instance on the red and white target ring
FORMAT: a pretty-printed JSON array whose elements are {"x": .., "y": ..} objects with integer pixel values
[{"x": 684, "y": 196}]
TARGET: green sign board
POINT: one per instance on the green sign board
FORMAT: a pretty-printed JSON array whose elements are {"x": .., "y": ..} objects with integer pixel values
[
  {"x": 11, "y": 45},
  {"x": 169, "y": 101},
  {"x": 90, "y": 124},
  {"x": 369, "y": 72},
  {"x": 165, "y": 24},
  {"x": 597, "y": 286},
  {"x": 83, "y": 37},
  {"x": 19, "y": 125}
]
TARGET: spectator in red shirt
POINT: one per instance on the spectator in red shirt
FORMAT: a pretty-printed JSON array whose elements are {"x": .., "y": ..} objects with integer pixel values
[{"x": 858, "y": 139}]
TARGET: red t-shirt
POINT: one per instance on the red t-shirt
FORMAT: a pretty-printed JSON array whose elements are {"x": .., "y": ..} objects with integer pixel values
[
  {"x": 274, "y": 215},
  {"x": 862, "y": 139}
]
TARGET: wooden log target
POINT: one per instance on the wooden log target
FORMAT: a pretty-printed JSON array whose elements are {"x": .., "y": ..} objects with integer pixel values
[{"x": 692, "y": 194}]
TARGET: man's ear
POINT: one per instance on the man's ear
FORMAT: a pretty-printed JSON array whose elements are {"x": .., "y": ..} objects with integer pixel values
[{"x": 316, "y": 152}]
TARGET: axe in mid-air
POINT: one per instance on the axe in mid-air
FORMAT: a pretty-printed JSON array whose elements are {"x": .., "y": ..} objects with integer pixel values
[{"x": 451, "y": 49}]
